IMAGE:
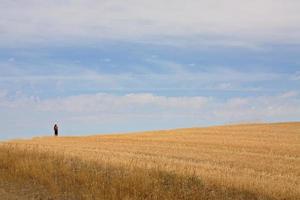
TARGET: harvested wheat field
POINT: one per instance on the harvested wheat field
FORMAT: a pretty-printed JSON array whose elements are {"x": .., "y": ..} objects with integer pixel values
[{"x": 253, "y": 161}]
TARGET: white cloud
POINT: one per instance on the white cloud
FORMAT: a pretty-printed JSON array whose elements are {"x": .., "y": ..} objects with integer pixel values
[
  {"x": 127, "y": 104},
  {"x": 165, "y": 70},
  {"x": 280, "y": 107},
  {"x": 168, "y": 76},
  {"x": 296, "y": 76},
  {"x": 286, "y": 105},
  {"x": 225, "y": 86},
  {"x": 92, "y": 113},
  {"x": 289, "y": 94},
  {"x": 231, "y": 22}
]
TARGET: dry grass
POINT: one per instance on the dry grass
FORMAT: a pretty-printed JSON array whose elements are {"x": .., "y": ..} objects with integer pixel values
[
  {"x": 259, "y": 161},
  {"x": 61, "y": 177}
]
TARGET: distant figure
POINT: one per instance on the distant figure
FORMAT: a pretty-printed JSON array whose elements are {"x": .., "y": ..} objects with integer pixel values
[{"x": 55, "y": 130}]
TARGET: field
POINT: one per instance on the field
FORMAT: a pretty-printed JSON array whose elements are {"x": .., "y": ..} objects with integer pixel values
[{"x": 251, "y": 161}]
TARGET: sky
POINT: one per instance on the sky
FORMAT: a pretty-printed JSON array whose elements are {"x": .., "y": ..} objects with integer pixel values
[{"x": 108, "y": 66}]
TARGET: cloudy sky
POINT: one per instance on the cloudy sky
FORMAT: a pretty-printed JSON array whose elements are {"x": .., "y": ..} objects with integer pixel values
[{"x": 102, "y": 66}]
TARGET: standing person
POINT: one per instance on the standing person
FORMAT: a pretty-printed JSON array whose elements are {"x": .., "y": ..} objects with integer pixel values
[{"x": 55, "y": 130}]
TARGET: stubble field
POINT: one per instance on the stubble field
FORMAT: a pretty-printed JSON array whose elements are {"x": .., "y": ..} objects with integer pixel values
[{"x": 254, "y": 161}]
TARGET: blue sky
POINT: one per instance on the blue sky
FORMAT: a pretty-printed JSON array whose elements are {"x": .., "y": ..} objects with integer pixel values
[{"x": 114, "y": 66}]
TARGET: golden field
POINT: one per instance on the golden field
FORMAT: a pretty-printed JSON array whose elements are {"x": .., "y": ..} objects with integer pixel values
[{"x": 251, "y": 161}]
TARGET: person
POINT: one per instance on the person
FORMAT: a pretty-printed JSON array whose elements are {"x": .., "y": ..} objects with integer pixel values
[{"x": 55, "y": 130}]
